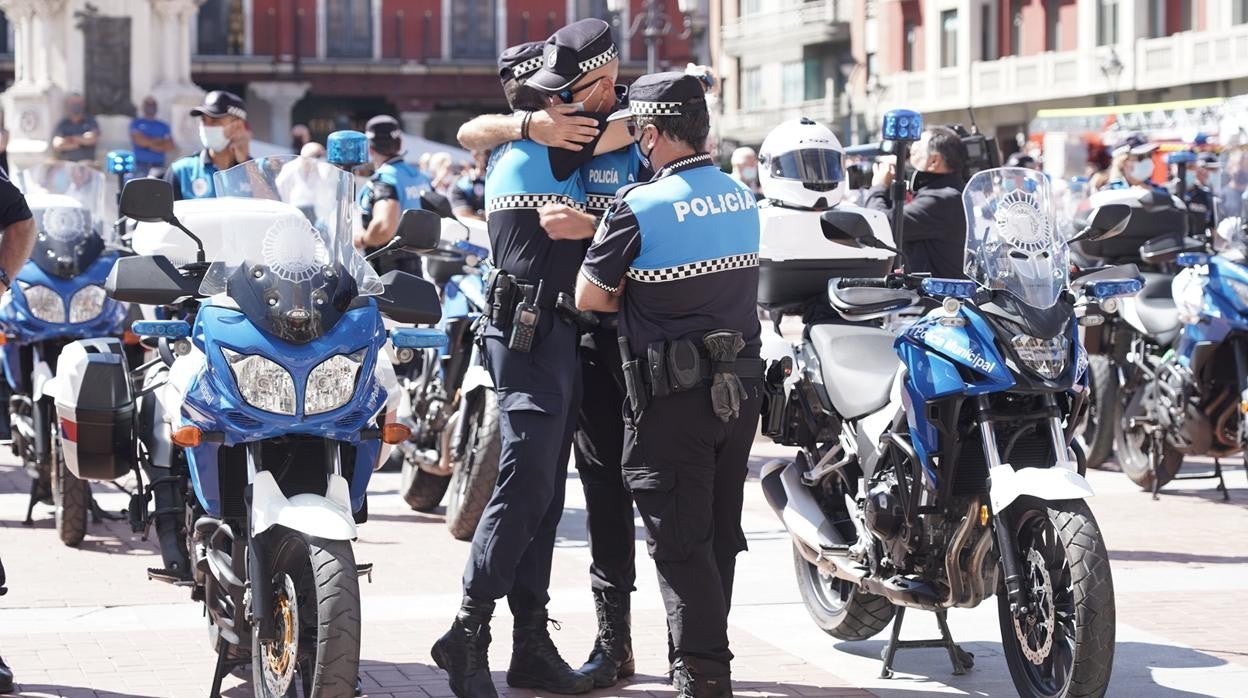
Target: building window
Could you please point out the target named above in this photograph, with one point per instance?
(349, 28)
(1016, 27)
(598, 9)
(1106, 22)
(909, 34)
(985, 40)
(1053, 25)
(473, 28)
(948, 38)
(6, 38)
(1156, 18)
(816, 81)
(1241, 11)
(792, 83)
(752, 88)
(221, 28)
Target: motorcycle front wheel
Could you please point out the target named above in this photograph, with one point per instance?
(316, 609)
(473, 478)
(1063, 647)
(423, 491)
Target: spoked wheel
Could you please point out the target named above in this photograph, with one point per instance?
(1097, 435)
(837, 606)
(71, 497)
(473, 478)
(1063, 645)
(1137, 446)
(316, 613)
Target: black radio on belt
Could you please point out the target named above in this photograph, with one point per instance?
(524, 322)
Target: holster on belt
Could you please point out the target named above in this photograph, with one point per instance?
(727, 390)
(634, 383)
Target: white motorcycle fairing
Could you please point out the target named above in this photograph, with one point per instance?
(1047, 484)
(327, 517)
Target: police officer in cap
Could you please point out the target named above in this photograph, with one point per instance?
(530, 345)
(226, 140)
(1196, 192)
(678, 257)
(396, 185)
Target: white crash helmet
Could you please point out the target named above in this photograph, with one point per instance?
(801, 165)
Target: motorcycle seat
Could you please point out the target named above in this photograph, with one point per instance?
(858, 365)
(1154, 305)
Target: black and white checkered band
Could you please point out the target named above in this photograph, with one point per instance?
(236, 111)
(595, 281)
(599, 202)
(533, 201)
(598, 61)
(699, 159)
(637, 107)
(524, 69)
(686, 271)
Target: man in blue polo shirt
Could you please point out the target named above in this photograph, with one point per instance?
(151, 138)
(223, 133)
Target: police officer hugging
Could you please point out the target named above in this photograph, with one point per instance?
(679, 256)
(531, 352)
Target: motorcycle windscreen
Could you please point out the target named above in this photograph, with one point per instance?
(287, 253)
(67, 240)
(1013, 242)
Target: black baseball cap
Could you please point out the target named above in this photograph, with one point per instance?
(572, 52)
(383, 130)
(219, 103)
(1135, 144)
(521, 61)
(663, 94)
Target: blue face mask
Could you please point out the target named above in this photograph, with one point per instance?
(1190, 179)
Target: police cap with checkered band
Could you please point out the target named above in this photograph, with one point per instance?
(572, 53)
(521, 61)
(663, 94)
(219, 103)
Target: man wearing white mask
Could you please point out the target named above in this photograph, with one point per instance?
(226, 140)
(745, 169)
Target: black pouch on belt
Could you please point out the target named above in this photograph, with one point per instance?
(686, 368)
(503, 300)
(656, 362)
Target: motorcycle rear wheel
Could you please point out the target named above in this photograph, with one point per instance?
(837, 606)
(1097, 434)
(71, 498)
(317, 610)
(1064, 648)
(473, 478)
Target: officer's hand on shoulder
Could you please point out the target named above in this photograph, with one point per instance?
(563, 222)
(560, 127)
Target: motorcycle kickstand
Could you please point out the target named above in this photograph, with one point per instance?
(1217, 470)
(961, 660)
(1154, 463)
(220, 670)
(34, 499)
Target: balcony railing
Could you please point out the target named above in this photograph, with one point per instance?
(1180, 59)
(798, 24)
(751, 125)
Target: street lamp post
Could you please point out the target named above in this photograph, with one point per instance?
(653, 23)
(1111, 68)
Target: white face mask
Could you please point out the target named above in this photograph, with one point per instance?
(749, 173)
(213, 137)
(1141, 170)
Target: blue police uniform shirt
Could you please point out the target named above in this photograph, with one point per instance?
(688, 243)
(151, 128)
(468, 192)
(191, 177)
(608, 173)
(397, 180)
(522, 177)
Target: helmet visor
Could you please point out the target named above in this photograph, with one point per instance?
(819, 169)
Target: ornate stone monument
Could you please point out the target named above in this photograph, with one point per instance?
(114, 52)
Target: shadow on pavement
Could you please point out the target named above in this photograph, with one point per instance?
(1167, 556)
(36, 690)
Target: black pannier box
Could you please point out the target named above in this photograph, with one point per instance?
(1153, 214)
(95, 409)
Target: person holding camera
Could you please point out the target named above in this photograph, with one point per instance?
(934, 237)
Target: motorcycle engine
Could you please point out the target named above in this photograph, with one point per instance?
(886, 520)
(1178, 411)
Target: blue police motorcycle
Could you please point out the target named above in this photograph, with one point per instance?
(57, 297)
(281, 395)
(935, 467)
(1189, 396)
(453, 409)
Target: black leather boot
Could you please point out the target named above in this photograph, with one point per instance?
(535, 661)
(463, 651)
(6, 677)
(612, 656)
(699, 678)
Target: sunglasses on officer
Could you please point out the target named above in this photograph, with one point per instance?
(566, 95)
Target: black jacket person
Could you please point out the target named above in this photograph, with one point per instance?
(934, 232)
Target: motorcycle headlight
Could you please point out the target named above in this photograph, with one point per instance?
(263, 384)
(44, 303)
(1240, 288)
(331, 384)
(87, 304)
(1047, 357)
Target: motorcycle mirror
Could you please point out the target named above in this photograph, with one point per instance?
(419, 230)
(1107, 221)
(848, 228)
(148, 200)
(433, 201)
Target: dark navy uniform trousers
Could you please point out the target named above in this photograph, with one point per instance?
(538, 392)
